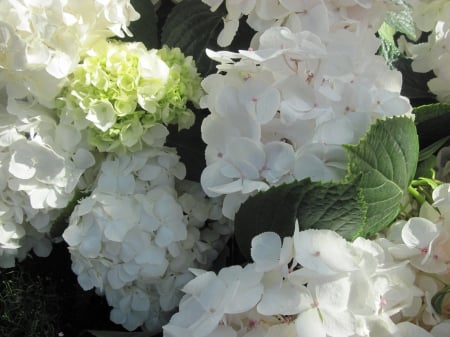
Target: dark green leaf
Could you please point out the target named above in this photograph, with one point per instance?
(425, 167)
(145, 29)
(335, 206)
(380, 169)
(387, 159)
(192, 27)
(432, 122)
(432, 149)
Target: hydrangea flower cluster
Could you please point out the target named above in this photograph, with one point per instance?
(282, 109)
(41, 41)
(41, 163)
(134, 238)
(316, 283)
(427, 13)
(320, 16)
(121, 90)
(43, 158)
(433, 19)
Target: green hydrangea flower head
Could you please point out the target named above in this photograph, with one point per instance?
(121, 91)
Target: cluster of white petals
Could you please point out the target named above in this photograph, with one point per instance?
(41, 41)
(283, 109)
(319, 16)
(135, 237)
(426, 13)
(41, 163)
(424, 242)
(42, 158)
(317, 284)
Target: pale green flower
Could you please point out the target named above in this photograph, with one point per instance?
(121, 91)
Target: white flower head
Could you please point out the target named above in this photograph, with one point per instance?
(282, 109)
(135, 237)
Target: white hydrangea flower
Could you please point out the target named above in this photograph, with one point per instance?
(88, 22)
(283, 110)
(138, 233)
(365, 297)
(41, 163)
(234, 290)
(42, 41)
(320, 17)
(426, 13)
(423, 243)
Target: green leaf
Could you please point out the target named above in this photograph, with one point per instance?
(380, 169)
(145, 29)
(192, 27)
(387, 159)
(402, 21)
(432, 122)
(335, 206)
(388, 49)
(432, 149)
(426, 167)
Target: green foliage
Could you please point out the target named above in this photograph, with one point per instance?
(402, 21)
(432, 122)
(336, 206)
(428, 158)
(387, 159)
(192, 27)
(380, 169)
(145, 29)
(388, 48)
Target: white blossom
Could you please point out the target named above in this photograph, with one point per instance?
(282, 110)
(43, 41)
(138, 233)
(362, 296)
(320, 17)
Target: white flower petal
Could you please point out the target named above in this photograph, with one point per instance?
(323, 251)
(266, 250)
(408, 329)
(280, 300)
(308, 323)
(419, 232)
